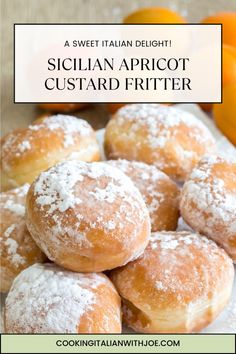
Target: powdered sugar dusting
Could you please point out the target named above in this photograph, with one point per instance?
(14, 207)
(56, 187)
(22, 191)
(23, 142)
(179, 272)
(97, 197)
(172, 139)
(207, 204)
(160, 193)
(187, 265)
(12, 203)
(17, 247)
(172, 240)
(160, 286)
(11, 246)
(154, 117)
(9, 230)
(149, 172)
(25, 145)
(69, 125)
(47, 299)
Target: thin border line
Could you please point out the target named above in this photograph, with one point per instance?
(115, 24)
(117, 334)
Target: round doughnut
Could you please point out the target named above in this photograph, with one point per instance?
(87, 217)
(180, 284)
(27, 152)
(159, 192)
(169, 138)
(208, 201)
(62, 107)
(113, 107)
(17, 248)
(45, 298)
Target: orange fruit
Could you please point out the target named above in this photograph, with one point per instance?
(62, 107)
(229, 64)
(225, 113)
(228, 20)
(154, 15)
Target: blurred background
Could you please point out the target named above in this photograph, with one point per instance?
(115, 11)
